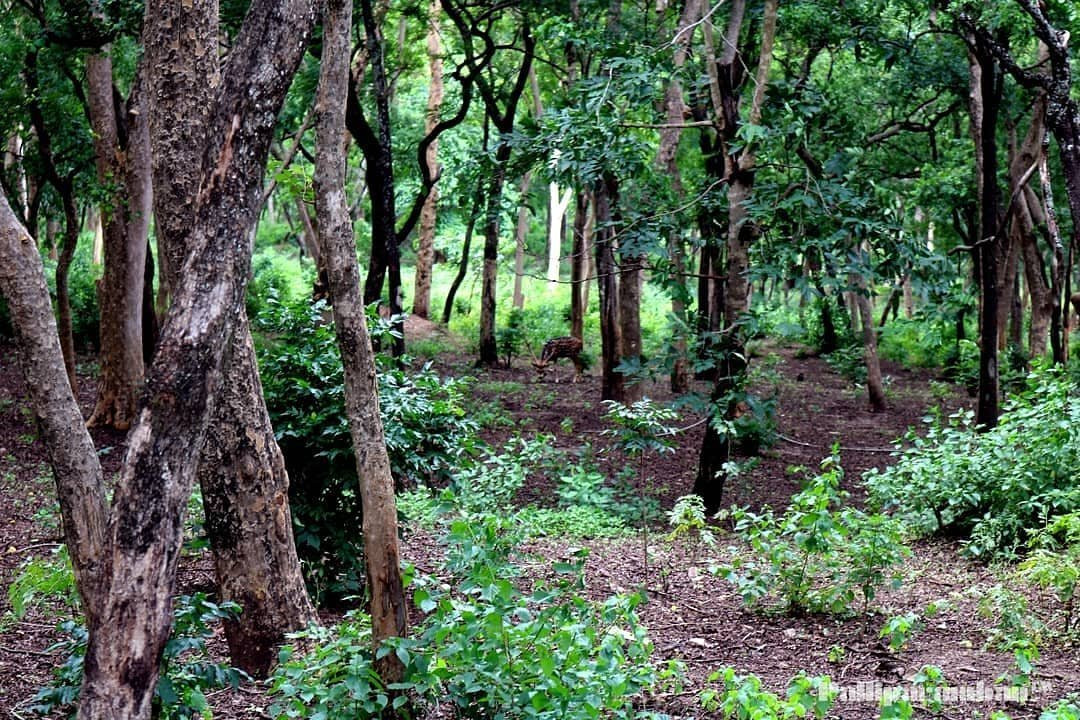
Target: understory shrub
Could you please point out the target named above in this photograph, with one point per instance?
(818, 557)
(994, 488)
(485, 645)
(187, 670)
(427, 430)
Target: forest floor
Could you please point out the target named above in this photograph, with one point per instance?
(691, 615)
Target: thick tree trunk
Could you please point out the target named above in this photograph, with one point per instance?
(607, 199)
(246, 499)
(388, 607)
(242, 475)
(425, 246)
(125, 221)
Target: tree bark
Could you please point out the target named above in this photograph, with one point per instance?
(607, 199)
(463, 264)
(425, 250)
(874, 386)
(80, 487)
(388, 607)
(489, 351)
(579, 263)
(125, 219)
(521, 234)
(558, 202)
(241, 472)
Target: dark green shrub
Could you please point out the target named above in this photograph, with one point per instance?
(993, 488)
(426, 427)
(82, 290)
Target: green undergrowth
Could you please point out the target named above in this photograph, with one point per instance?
(489, 644)
(994, 489)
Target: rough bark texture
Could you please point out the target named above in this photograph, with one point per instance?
(630, 279)
(425, 244)
(241, 473)
(246, 499)
(124, 215)
(874, 387)
(123, 655)
(72, 456)
(382, 561)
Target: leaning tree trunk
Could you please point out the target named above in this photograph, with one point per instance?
(124, 215)
(243, 479)
(425, 246)
(80, 487)
(381, 555)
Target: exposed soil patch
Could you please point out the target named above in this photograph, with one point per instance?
(692, 615)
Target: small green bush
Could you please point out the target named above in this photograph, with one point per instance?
(817, 557)
(741, 697)
(994, 488)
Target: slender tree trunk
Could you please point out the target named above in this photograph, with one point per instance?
(874, 386)
(489, 354)
(558, 202)
(63, 294)
(521, 233)
(607, 198)
(382, 562)
(125, 221)
(579, 264)
(425, 251)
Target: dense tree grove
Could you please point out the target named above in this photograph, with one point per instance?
(661, 175)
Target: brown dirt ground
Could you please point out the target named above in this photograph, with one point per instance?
(692, 616)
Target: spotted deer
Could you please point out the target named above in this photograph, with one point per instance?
(560, 347)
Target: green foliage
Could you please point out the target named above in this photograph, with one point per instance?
(83, 277)
(1068, 708)
(898, 629)
(817, 557)
(1055, 562)
(427, 429)
(187, 670)
(42, 581)
(486, 646)
(741, 697)
(848, 362)
(687, 520)
(998, 487)
(511, 336)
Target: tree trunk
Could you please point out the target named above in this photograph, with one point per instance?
(125, 218)
(607, 198)
(674, 111)
(579, 263)
(425, 246)
(630, 279)
(80, 487)
(558, 202)
(63, 294)
(489, 352)
(463, 265)
(521, 233)
(123, 655)
(875, 388)
(241, 472)
(388, 607)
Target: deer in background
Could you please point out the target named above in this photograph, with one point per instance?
(560, 347)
